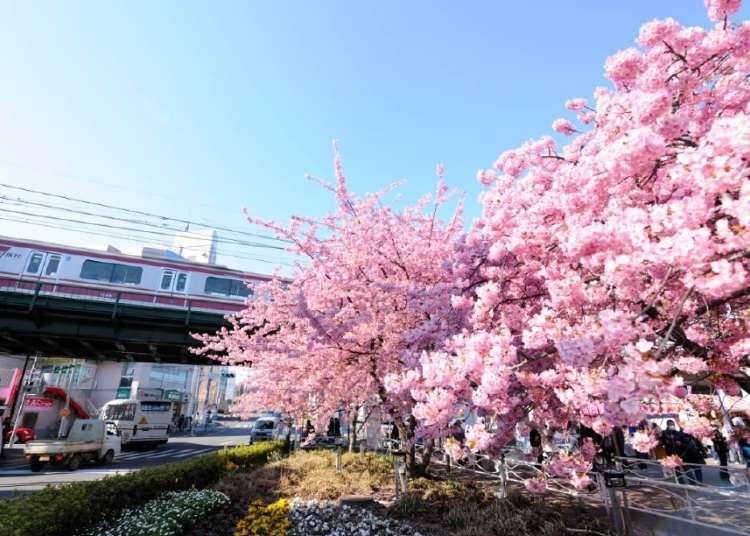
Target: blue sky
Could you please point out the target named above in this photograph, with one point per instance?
(196, 110)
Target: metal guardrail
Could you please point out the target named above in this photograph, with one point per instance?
(653, 489)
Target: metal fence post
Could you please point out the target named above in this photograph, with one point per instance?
(396, 476)
(503, 472)
(617, 518)
(338, 459)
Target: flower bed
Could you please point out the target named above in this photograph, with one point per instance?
(168, 515)
(76, 508)
(318, 518)
(265, 520)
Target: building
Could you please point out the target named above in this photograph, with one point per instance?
(86, 385)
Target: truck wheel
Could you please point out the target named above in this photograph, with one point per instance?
(108, 457)
(74, 462)
(35, 465)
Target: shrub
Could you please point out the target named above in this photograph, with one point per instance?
(167, 515)
(250, 456)
(74, 508)
(265, 520)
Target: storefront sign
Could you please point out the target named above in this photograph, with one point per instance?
(150, 394)
(39, 403)
(173, 394)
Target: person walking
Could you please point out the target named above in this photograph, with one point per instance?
(722, 451)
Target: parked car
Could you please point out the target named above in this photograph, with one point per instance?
(89, 440)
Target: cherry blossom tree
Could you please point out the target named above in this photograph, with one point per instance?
(374, 294)
(609, 275)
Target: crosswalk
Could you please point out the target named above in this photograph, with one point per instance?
(163, 455)
(126, 462)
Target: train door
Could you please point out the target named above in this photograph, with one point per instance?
(41, 264)
(173, 281)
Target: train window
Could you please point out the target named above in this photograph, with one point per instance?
(99, 271)
(166, 279)
(110, 272)
(53, 264)
(181, 282)
(35, 262)
(123, 273)
(226, 287)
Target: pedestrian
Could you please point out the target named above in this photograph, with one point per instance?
(309, 428)
(673, 442)
(658, 451)
(722, 451)
(535, 440)
(694, 456)
(643, 428)
(181, 422)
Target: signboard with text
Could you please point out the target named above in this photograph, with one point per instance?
(173, 394)
(39, 403)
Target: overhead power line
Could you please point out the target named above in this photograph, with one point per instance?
(229, 240)
(132, 239)
(140, 212)
(144, 231)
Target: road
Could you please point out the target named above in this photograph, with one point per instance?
(15, 475)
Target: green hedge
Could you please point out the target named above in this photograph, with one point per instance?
(73, 508)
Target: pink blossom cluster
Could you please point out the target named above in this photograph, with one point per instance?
(614, 272)
(644, 441)
(672, 461)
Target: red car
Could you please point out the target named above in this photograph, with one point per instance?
(22, 434)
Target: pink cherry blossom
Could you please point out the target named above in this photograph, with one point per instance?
(563, 126)
(576, 104)
(718, 9)
(643, 442)
(453, 448)
(700, 427)
(535, 485)
(580, 481)
(672, 461)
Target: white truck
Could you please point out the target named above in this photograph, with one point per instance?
(89, 440)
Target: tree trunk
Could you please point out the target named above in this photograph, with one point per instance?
(353, 430)
(416, 467)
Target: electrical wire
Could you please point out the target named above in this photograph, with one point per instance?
(134, 239)
(140, 212)
(145, 231)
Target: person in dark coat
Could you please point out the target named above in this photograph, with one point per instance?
(309, 428)
(694, 456)
(673, 442)
(722, 451)
(535, 439)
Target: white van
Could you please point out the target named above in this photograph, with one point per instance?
(141, 422)
(265, 429)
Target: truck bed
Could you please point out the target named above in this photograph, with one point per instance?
(60, 446)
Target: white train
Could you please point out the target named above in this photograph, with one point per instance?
(160, 281)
